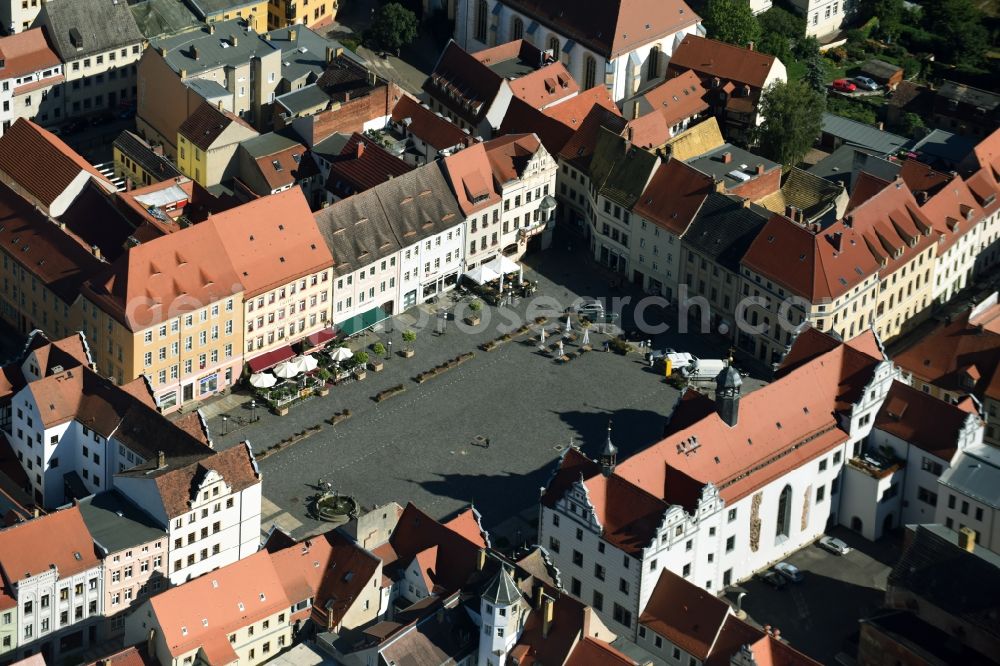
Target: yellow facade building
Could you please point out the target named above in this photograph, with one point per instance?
(313, 13)
(254, 12)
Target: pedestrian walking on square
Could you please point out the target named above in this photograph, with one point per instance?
(487, 442)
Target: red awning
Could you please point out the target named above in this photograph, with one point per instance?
(270, 359)
(320, 338)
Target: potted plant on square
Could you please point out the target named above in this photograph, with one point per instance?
(378, 354)
(360, 359)
(409, 337)
(475, 307)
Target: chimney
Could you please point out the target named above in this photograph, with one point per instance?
(232, 40)
(35, 512)
(727, 157)
(837, 240)
(629, 132)
(161, 460)
(881, 125)
(922, 197)
(751, 46)
(194, 52)
(329, 55)
(776, 633)
(96, 251)
(481, 560)
(184, 73)
(151, 644)
(635, 110)
(967, 539)
(339, 52)
(211, 28)
(547, 611)
(372, 79)
(292, 34)
(539, 594)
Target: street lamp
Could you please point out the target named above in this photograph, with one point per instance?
(388, 350)
(253, 410)
(225, 423)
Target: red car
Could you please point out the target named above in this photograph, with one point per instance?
(843, 85)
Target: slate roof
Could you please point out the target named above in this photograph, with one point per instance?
(619, 170)
(742, 160)
(862, 135)
(82, 27)
(303, 99)
(845, 164)
(357, 232)
(502, 591)
(207, 123)
(305, 56)
(943, 148)
(140, 152)
(724, 228)
(880, 69)
(976, 473)
(207, 8)
(362, 165)
(609, 28)
(159, 18)
(463, 83)
(215, 49)
(115, 523)
(968, 95)
(962, 584)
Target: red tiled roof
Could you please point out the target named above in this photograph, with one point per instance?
(678, 98)
(24, 146)
(580, 147)
(59, 539)
(927, 422)
(865, 187)
(556, 124)
(281, 169)
(26, 53)
(942, 356)
(463, 83)
(685, 614)
(166, 276)
(362, 165)
(629, 515)
(591, 651)
(545, 86)
(212, 606)
(509, 155)
(37, 85)
(467, 524)
(780, 427)
(432, 129)
(711, 58)
(921, 178)
(471, 178)
(953, 211)
(272, 241)
(134, 655)
(987, 152)
(674, 196)
(613, 27)
(455, 558)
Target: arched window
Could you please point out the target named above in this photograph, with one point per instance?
(784, 518)
(516, 28)
(482, 13)
(554, 47)
(589, 72)
(654, 63)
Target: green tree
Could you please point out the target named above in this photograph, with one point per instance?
(393, 27)
(889, 14)
(913, 126)
(958, 24)
(815, 76)
(731, 21)
(779, 21)
(793, 116)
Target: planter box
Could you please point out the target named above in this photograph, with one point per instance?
(375, 366)
(323, 391)
(407, 353)
(473, 320)
(361, 374)
(282, 411)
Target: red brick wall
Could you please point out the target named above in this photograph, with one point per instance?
(353, 114)
(759, 186)
(878, 649)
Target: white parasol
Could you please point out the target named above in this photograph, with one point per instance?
(262, 380)
(286, 370)
(341, 354)
(305, 363)
(586, 337)
(569, 325)
(543, 335)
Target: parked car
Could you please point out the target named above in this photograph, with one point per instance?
(789, 571)
(593, 307)
(843, 85)
(865, 83)
(834, 545)
(772, 578)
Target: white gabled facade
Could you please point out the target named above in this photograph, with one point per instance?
(481, 24)
(713, 544)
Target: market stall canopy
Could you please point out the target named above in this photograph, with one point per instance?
(503, 265)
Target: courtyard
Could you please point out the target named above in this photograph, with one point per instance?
(429, 444)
